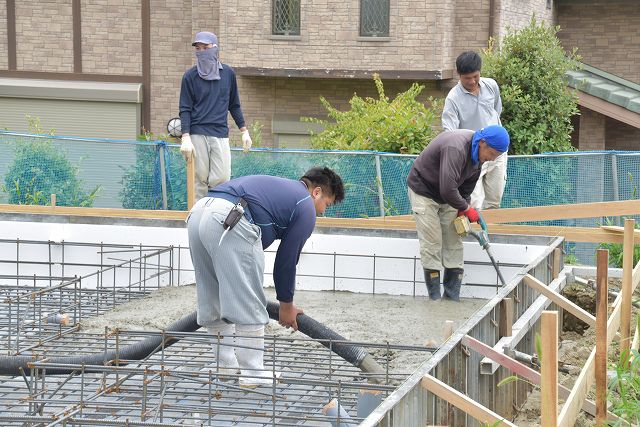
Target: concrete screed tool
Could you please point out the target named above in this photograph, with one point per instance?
(463, 227)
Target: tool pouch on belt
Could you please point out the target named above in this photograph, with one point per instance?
(235, 214)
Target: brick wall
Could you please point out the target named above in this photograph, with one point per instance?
(516, 14)
(44, 36)
(111, 37)
(621, 136)
(261, 98)
(330, 37)
(606, 35)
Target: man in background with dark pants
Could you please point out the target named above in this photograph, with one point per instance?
(440, 184)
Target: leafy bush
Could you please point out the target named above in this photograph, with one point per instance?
(403, 125)
(537, 106)
(39, 170)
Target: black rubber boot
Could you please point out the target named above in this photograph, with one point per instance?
(452, 283)
(432, 279)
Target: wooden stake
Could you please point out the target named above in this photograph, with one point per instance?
(191, 182)
(602, 294)
(549, 368)
(506, 318)
(627, 275)
(557, 263)
(447, 330)
(53, 199)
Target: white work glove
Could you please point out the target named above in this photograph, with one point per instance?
(246, 141)
(186, 148)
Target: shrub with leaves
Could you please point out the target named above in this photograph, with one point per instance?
(537, 105)
(39, 169)
(401, 125)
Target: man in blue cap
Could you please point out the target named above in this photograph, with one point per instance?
(440, 183)
(208, 93)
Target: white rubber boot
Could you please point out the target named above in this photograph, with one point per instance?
(250, 352)
(223, 350)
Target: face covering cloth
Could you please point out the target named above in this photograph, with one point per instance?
(208, 64)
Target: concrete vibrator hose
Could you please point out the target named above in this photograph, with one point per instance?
(15, 365)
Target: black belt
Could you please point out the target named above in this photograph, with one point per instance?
(233, 199)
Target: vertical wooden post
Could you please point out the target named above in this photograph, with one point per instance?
(627, 275)
(191, 182)
(53, 199)
(505, 325)
(602, 291)
(447, 330)
(549, 368)
(557, 263)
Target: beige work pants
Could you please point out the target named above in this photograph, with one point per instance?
(212, 163)
(440, 245)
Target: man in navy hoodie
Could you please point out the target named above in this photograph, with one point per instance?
(209, 91)
(229, 268)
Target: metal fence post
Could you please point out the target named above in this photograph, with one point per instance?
(614, 183)
(163, 174)
(379, 185)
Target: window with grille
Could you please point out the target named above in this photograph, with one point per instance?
(286, 17)
(374, 18)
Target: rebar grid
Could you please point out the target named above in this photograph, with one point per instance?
(37, 308)
(179, 385)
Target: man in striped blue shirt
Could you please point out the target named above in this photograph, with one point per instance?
(229, 272)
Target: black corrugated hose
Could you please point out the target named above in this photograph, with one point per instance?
(356, 355)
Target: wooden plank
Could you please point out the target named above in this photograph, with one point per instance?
(552, 212)
(505, 325)
(94, 212)
(464, 403)
(602, 295)
(549, 368)
(191, 183)
(570, 211)
(560, 300)
(627, 276)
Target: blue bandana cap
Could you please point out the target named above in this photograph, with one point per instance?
(495, 136)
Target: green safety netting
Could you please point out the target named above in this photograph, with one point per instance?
(152, 175)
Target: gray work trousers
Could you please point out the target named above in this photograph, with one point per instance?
(440, 245)
(212, 163)
(229, 276)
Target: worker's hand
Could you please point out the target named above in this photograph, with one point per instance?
(287, 315)
(246, 141)
(186, 148)
(470, 213)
